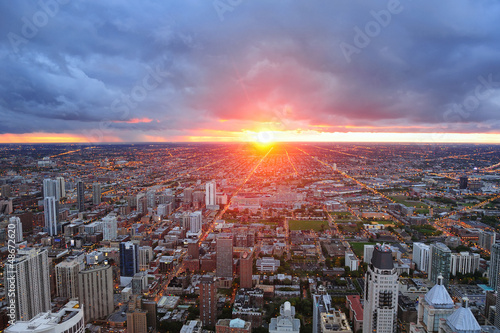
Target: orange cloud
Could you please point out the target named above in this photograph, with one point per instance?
(49, 138)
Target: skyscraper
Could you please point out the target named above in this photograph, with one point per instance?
(109, 227)
(381, 293)
(246, 265)
(464, 182)
(96, 193)
(61, 185)
(129, 259)
(80, 193)
(224, 252)
(494, 270)
(95, 292)
(208, 300)
(18, 227)
(67, 278)
(210, 189)
(486, 239)
(145, 256)
(29, 276)
(195, 221)
(440, 263)
(421, 256)
(50, 212)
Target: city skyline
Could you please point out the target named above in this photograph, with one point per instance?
(221, 71)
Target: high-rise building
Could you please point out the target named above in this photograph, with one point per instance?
(18, 227)
(381, 293)
(67, 278)
(246, 266)
(50, 212)
(368, 253)
(434, 306)
(145, 256)
(286, 321)
(224, 252)
(109, 227)
(210, 190)
(29, 277)
(463, 182)
(95, 292)
(68, 319)
(80, 196)
(61, 185)
(464, 263)
(421, 256)
(136, 319)
(129, 259)
(194, 250)
(96, 193)
(440, 263)
(195, 221)
(486, 239)
(5, 191)
(494, 270)
(208, 300)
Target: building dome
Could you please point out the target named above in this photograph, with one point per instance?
(438, 296)
(462, 320)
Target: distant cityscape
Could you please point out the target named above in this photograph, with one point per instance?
(250, 238)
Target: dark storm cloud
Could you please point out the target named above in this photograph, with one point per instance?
(75, 66)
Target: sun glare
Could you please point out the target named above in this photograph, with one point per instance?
(265, 137)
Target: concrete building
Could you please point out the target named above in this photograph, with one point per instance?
(351, 261)
(381, 293)
(50, 212)
(421, 256)
(494, 269)
(353, 303)
(15, 221)
(486, 239)
(267, 264)
(368, 253)
(109, 227)
(145, 257)
(137, 321)
(210, 191)
(68, 319)
(246, 266)
(29, 277)
(233, 326)
(95, 292)
(67, 278)
(195, 222)
(440, 262)
(208, 300)
(80, 196)
(96, 193)
(460, 321)
(224, 252)
(326, 319)
(286, 321)
(464, 263)
(192, 326)
(437, 304)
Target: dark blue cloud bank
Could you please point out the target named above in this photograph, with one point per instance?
(74, 66)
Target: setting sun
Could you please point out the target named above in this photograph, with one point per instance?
(265, 137)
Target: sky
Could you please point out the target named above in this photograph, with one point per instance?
(243, 70)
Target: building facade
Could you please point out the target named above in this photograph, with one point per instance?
(440, 263)
(208, 300)
(224, 252)
(381, 293)
(95, 292)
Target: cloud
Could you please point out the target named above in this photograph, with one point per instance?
(104, 66)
